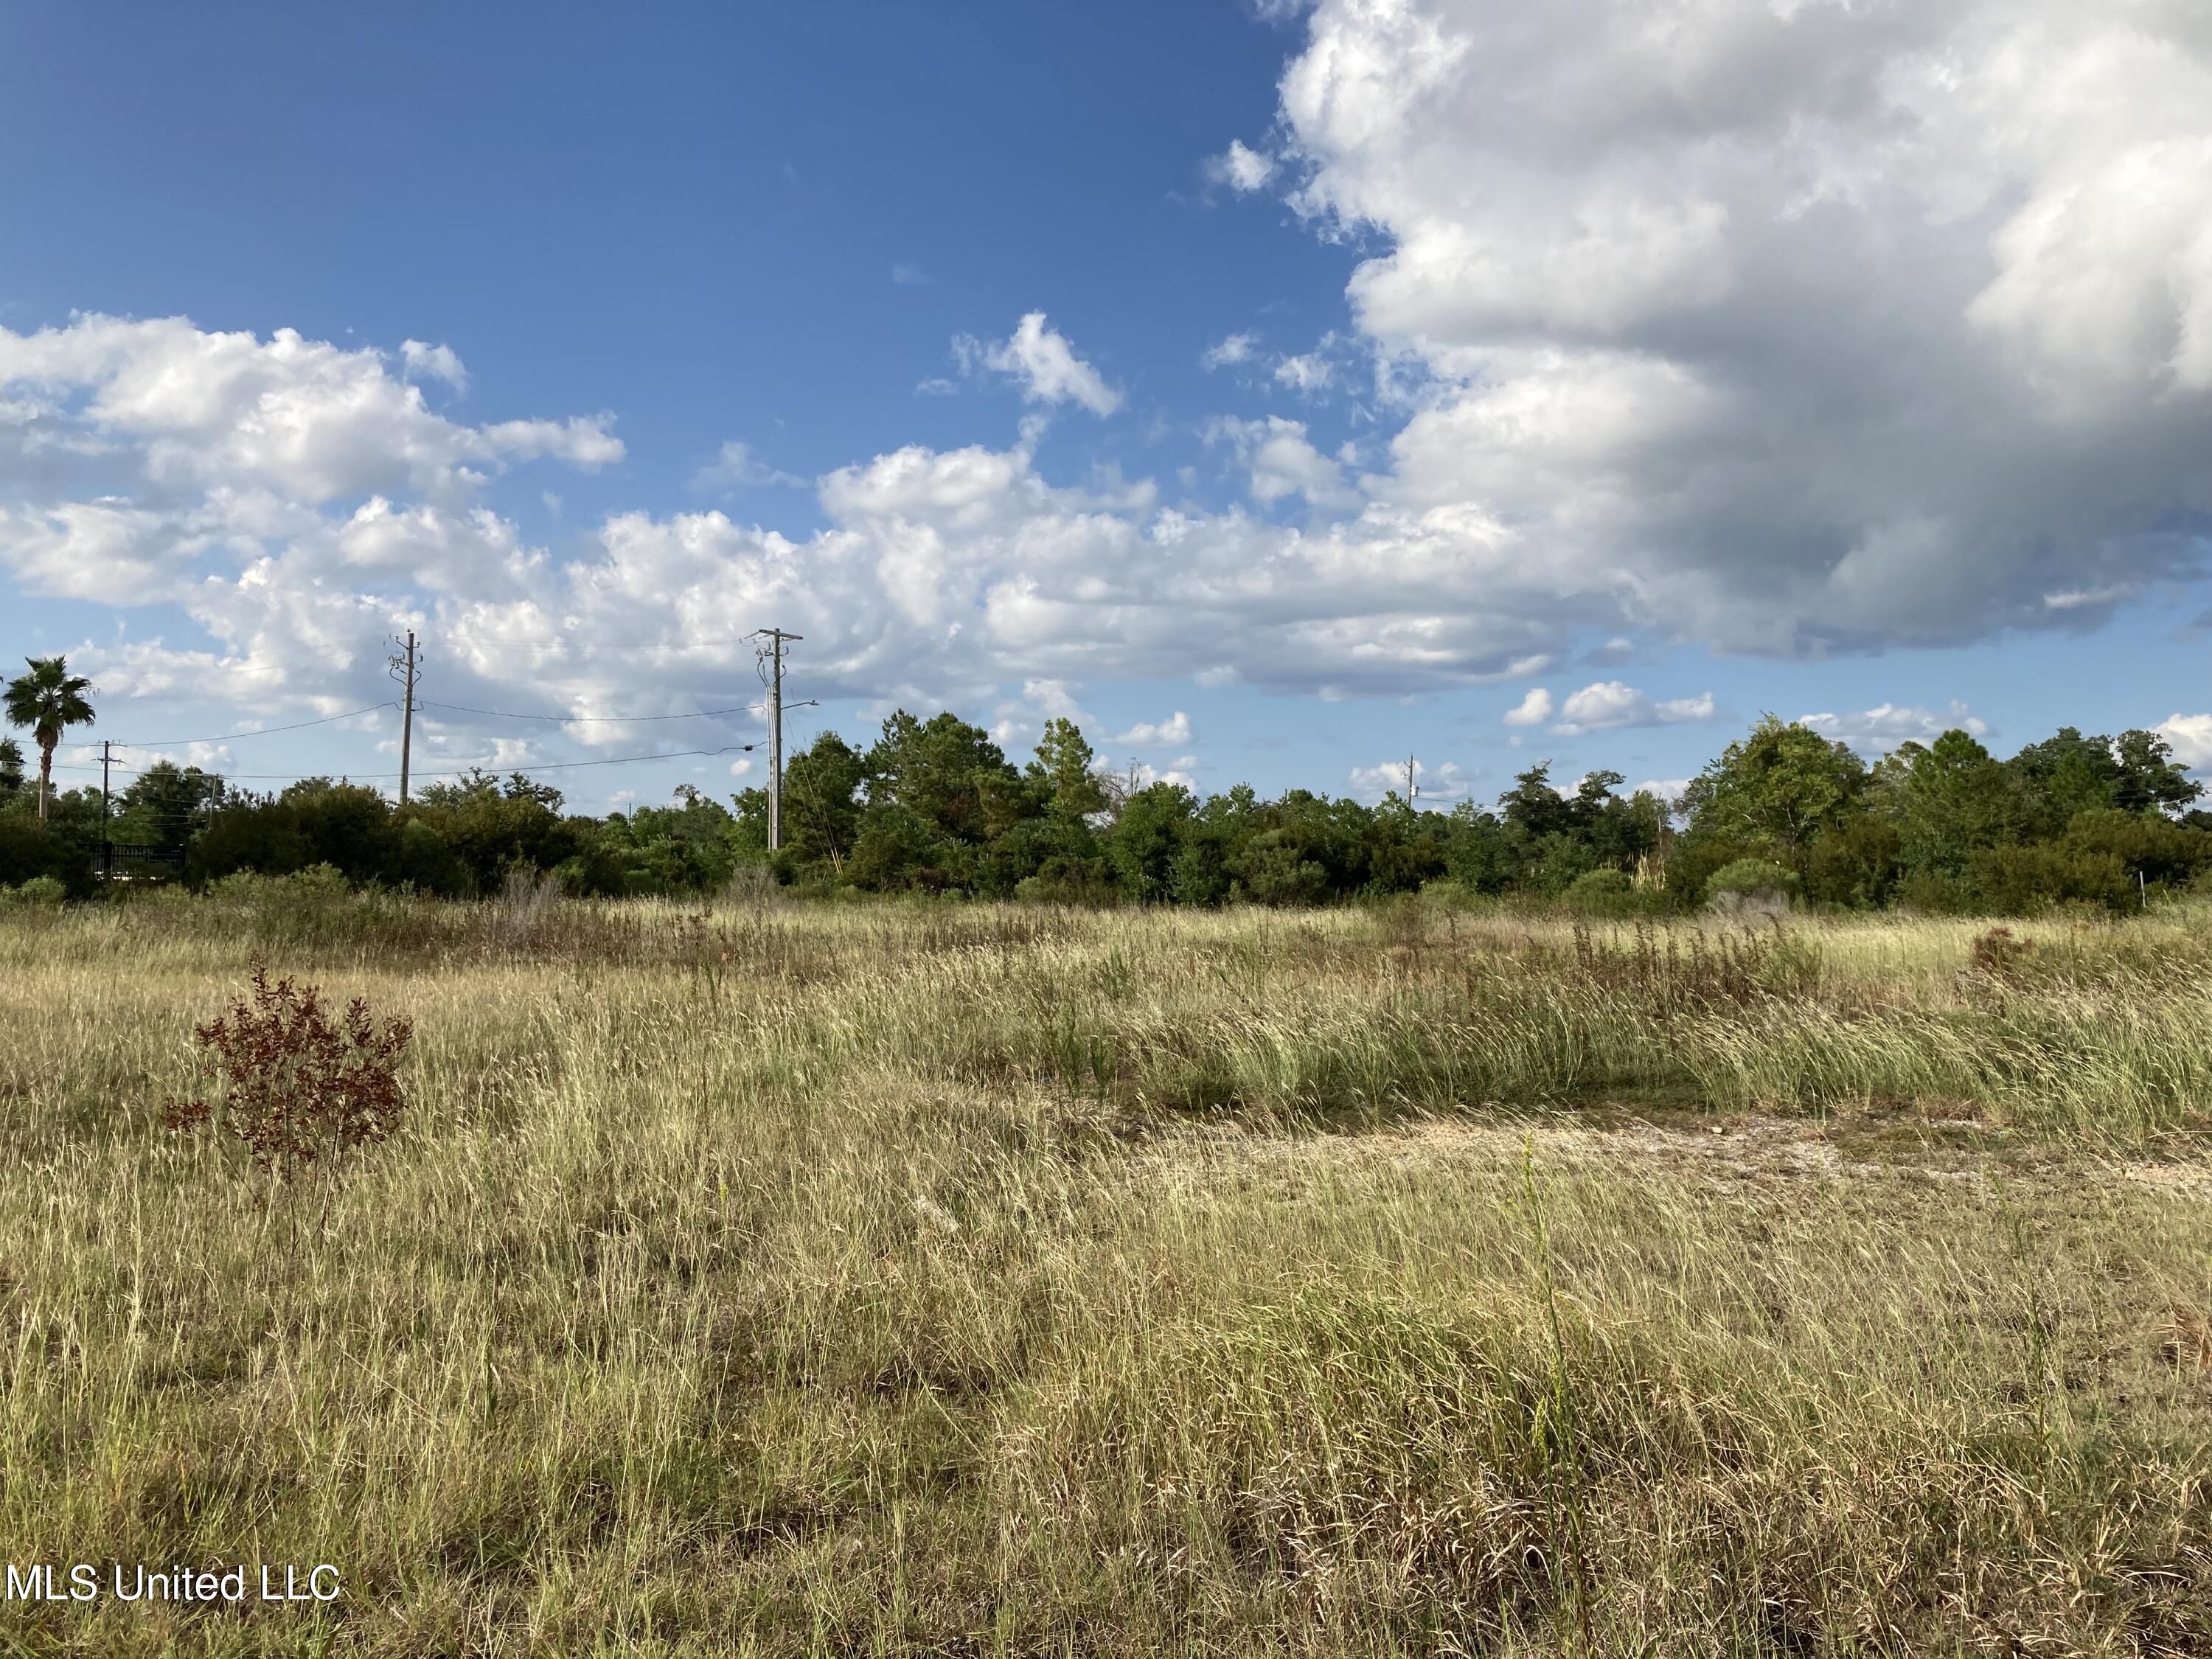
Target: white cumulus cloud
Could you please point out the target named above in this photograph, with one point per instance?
(2191, 737)
(1812, 326)
(1448, 781)
(1532, 710)
(1172, 733)
(1229, 351)
(1310, 374)
(440, 363)
(1040, 360)
(1280, 461)
(1610, 705)
(1241, 167)
(1878, 730)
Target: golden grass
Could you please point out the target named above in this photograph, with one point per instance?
(976, 1281)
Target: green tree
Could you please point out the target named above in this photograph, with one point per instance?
(167, 805)
(489, 831)
(1147, 834)
(1531, 808)
(1783, 784)
(2150, 780)
(2069, 774)
(11, 766)
(1950, 799)
(937, 791)
(1063, 773)
(938, 770)
(821, 802)
(49, 700)
(1476, 852)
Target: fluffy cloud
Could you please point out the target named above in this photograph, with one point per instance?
(1448, 781)
(1172, 733)
(1043, 364)
(1609, 705)
(1241, 167)
(146, 467)
(1229, 352)
(1282, 461)
(1878, 730)
(1532, 710)
(302, 422)
(1310, 374)
(297, 498)
(1797, 327)
(440, 363)
(1057, 699)
(2191, 737)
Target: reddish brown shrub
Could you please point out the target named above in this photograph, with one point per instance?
(293, 1085)
(1997, 954)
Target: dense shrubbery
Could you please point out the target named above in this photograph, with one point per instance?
(934, 807)
(1755, 877)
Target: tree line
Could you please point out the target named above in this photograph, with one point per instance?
(935, 806)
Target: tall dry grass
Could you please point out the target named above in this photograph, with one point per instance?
(869, 1280)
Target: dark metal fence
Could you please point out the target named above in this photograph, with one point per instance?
(115, 860)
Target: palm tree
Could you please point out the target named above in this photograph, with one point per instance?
(49, 700)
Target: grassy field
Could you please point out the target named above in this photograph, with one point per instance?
(881, 1280)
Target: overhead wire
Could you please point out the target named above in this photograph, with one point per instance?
(461, 770)
(460, 708)
(584, 719)
(259, 732)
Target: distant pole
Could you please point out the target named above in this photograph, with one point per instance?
(775, 751)
(1411, 789)
(403, 669)
(106, 848)
(772, 654)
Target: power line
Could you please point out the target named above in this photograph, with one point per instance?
(585, 720)
(260, 731)
(424, 703)
(585, 648)
(462, 770)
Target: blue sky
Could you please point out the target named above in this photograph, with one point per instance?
(1523, 382)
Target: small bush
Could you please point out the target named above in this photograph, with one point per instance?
(2025, 881)
(1999, 953)
(319, 884)
(1754, 883)
(1602, 893)
(293, 1086)
(43, 892)
(1855, 867)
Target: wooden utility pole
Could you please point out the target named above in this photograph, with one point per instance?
(106, 848)
(1411, 789)
(771, 656)
(403, 669)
